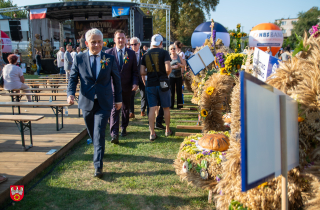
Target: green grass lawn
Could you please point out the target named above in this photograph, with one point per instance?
(138, 174)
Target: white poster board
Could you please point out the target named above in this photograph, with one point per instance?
(261, 131)
(263, 64)
(200, 60)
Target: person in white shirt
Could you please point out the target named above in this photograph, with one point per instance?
(78, 50)
(60, 60)
(269, 51)
(13, 77)
(16, 52)
(178, 49)
(73, 54)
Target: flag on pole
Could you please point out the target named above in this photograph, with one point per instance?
(38, 13)
(120, 11)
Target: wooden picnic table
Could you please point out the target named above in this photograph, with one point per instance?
(16, 97)
(38, 90)
(23, 123)
(57, 107)
(45, 79)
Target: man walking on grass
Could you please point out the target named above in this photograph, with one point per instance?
(160, 69)
(97, 71)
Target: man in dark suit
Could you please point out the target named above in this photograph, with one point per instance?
(96, 70)
(135, 46)
(127, 66)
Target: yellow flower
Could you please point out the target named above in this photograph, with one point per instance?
(263, 185)
(199, 84)
(235, 50)
(204, 113)
(223, 71)
(209, 90)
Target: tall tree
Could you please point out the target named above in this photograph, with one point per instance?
(305, 22)
(185, 16)
(9, 3)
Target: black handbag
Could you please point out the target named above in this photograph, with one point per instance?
(164, 81)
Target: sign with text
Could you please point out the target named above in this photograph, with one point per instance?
(263, 64)
(200, 60)
(107, 27)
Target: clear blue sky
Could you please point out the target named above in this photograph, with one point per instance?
(247, 12)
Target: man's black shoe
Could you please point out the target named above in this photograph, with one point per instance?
(160, 126)
(98, 173)
(115, 139)
(124, 132)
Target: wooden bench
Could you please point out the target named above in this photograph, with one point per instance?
(23, 123)
(17, 97)
(56, 107)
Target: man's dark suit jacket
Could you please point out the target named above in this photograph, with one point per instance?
(90, 86)
(128, 72)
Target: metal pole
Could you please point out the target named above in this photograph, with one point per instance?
(166, 29)
(61, 34)
(169, 22)
(284, 163)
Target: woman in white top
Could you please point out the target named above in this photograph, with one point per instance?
(178, 49)
(13, 76)
(180, 53)
(16, 52)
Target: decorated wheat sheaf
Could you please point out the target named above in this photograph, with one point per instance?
(299, 78)
(190, 155)
(215, 98)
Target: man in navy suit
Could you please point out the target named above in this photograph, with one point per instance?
(96, 70)
(127, 66)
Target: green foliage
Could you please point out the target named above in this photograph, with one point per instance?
(203, 165)
(305, 22)
(300, 46)
(9, 3)
(236, 205)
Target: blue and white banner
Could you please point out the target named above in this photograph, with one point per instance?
(263, 64)
(120, 11)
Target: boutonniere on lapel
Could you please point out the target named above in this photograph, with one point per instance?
(104, 62)
(126, 58)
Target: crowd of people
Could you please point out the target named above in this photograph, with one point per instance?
(110, 78)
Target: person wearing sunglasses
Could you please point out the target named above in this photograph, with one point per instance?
(135, 46)
(177, 66)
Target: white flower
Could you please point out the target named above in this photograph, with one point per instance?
(204, 173)
(185, 167)
(223, 158)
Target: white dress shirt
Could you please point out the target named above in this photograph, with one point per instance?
(118, 53)
(98, 59)
(98, 68)
(138, 56)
